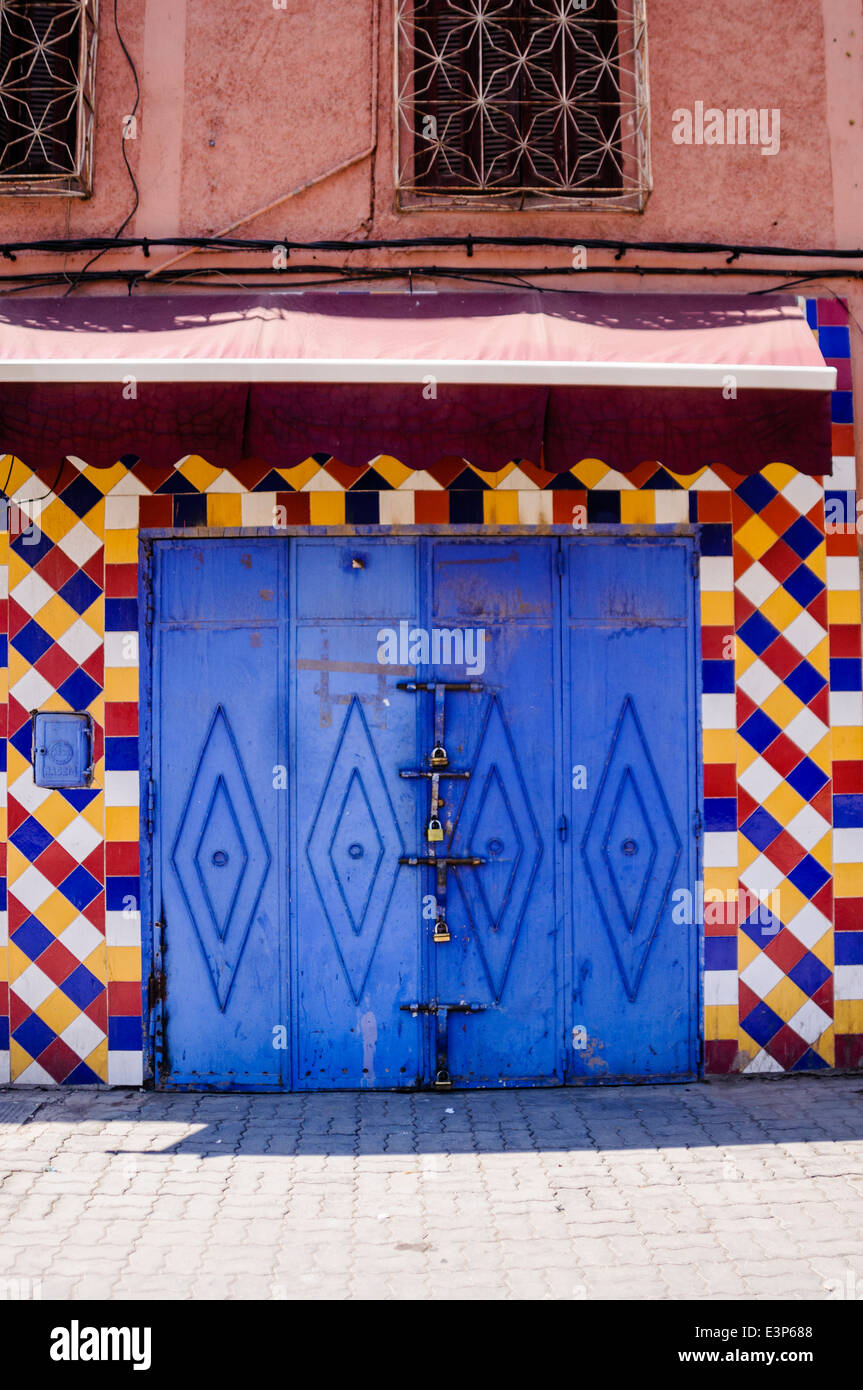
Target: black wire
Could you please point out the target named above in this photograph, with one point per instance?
(124, 224)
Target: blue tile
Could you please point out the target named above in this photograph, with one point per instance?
(834, 341)
(812, 312)
(33, 1035)
(32, 938)
(759, 731)
(79, 690)
(4, 651)
(80, 592)
(83, 1076)
(466, 508)
(715, 537)
(79, 797)
(80, 887)
(4, 1035)
(119, 889)
(82, 987)
(762, 1023)
(31, 838)
(757, 633)
(848, 947)
(760, 828)
(693, 506)
(806, 778)
(846, 673)
(121, 754)
(81, 496)
(22, 740)
(32, 642)
(121, 615)
(803, 585)
(756, 492)
(190, 511)
(802, 537)
(761, 926)
(847, 812)
(840, 508)
(809, 973)
(842, 408)
(717, 677)
(32, 548)
(804, 681)
(720, 813)
(720, 953)
(362, 508)
(808, 876)
(125, 1034)
(810, 1061)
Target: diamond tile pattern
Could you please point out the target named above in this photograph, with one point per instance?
(782, 715)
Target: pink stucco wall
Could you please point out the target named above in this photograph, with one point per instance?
(242, 102)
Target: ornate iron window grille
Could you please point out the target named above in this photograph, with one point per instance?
(47, 81)
(513, 103)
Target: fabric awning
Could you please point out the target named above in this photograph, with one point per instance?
(551, 377)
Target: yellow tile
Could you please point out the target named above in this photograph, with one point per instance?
(638, 508)
(124, 963)
(4, 545)
(720, 881)
(823, 950)
(57, 520)
(825, 1045)
(18, 666)
(784, 803)
(720, 1021)
(817, 562)
(121, 547)
(15, 475)
(224, 509)
(719, 745)
(823, 851)
(390, 469)
(56, 617)
(98, 1060)
(58, 1011)
(96, 962)
(780, 609)
(848, 1015)
(717, 610)
(748, 1046)
(843, 606)
(300, 475)
(500, 508)
(122, 823)
(819, 656)
(106, 479)
(94, 812)
(746, 755)
(822, 754)
(785, 999)
(848, 880)
(782, 705)
(791, 900)
(743, 658)
(94, 616)
(746, 853)
(327, 508)
(494, 479)
(19, 1060)
(198, 472)
(746, 951)
(121, 683)
(755, 537)
(18, 569)
(17, 764)
(778, 474)
(16, 864)
(56, 913)
(18, 962)
(55, 814)
(589, 472)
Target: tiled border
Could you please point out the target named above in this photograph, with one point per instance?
(782, 713)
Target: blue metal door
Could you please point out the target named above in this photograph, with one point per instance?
(630, 699)
(218, 868)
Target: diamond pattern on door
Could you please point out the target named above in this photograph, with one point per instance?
(631, 848)
(497, 824)
(353, 848)
(220, 855)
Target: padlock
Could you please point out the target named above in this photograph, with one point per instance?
(439, 756)
(434, 830)
(441, 930)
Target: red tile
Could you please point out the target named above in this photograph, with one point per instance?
(431, 508)
(156, 511)
(849, 1051)
(55, 568)
(743, 609)
(124, 999)
(55, 665)
(823, 996)
(121, 581)
(121, 718)
(844, 640)
(297, 507)
(780, 560)
(57, 962)
(18, 1010)
(823, 900)
(848, 778)
(56, 864)
(58, 1060)
(818, 608)
(95, 567)
(842, 442)
(781, 657)
(714, 507)
(779, 515)
(786, 1047)
(822, 802)
(746, 804)
(849, 914)
(97, 1011)
(563, 506)
(783, 755)
(121, 857)
(785, 950)
(842, 542)
(745, 707)
(820, 706)
(720, 779)
(94, 863)
(747, 999)
(715, 643)
(95, 912)
(785, 852)
(720, 1056)
(94, 666)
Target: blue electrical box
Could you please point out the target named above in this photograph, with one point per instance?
(62, 750)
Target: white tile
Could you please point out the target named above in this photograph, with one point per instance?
(757, 584)
(844, 475)
(716, 573)
(762, 1063)
(420, 481)
(708, 482)
(322, 482)
(758, 681)
(759, 780)
(125, 1068)
(718, 712)
(31, 889)
(121, 789)
(33, 986)
(612, 481)
(397, 508)
(720, 849)
(5, 1069)
(79, 838)
(225, 482)
(82, 1035)
(34, 1075)
(804, 633)
(4, 929)
(32, 593)
(130, 486)
(79, 641)
(807, 827)
(672, 508)
(122, 929)
(761, 975)
(846, 709)
(121, 650)
(848, 982)
(25, 791)
(32, 690)
(79, 544)
(4, 581)
(762, 877)
(720, 987)
(806, 729)
(809, 925)
(121, 513)
(803, 492)
(843, 572)
(810, 1021)
(81, 938)
(848, 847)
(534, 508)
(516, 481)
(259, 509)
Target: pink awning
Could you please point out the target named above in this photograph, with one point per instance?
(545, 376)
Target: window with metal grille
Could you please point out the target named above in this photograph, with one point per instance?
(47, 70)
(517, 101)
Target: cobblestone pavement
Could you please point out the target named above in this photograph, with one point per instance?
(732, 1189)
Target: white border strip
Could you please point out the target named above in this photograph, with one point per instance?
(411, 372)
